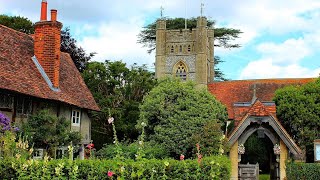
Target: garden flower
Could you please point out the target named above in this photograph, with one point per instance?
(140, 142)
(143, 124)
(110, 173)
(110, 120)
(90, 146)
(166, 163)
(181, 157)
(16, 129)
(18, 156)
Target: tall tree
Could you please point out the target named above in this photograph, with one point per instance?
(120, 89)
(298, 109)
(223, 37)
(78, 54)
(68, 43)
(18, 23)
(174, 111)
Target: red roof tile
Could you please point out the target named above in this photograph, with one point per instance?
(18, 72)
(230, 92)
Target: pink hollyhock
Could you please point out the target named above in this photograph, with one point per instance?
(90, 146)
(110, 173)
(181, 157)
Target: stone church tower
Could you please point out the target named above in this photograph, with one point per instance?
(185, 53)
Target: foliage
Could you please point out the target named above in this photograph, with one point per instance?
(78, 54)
(298, 109)
(174, 111)
(48, 131)
(216, 167)
(18, 23)
(306, 171)
(121, 89)
(151, 150)
(12, 145)
(258, 150)
(211, 139)
(218, 74)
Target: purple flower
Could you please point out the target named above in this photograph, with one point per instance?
(16, 129)
(4, 122)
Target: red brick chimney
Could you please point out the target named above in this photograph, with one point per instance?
(47, 39)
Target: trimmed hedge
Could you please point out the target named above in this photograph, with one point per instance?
(305, 171)
(216, 167)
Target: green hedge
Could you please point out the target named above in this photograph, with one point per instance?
(305, 171)
(216, 167)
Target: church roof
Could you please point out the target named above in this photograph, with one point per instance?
(231, 92)
(19, 73)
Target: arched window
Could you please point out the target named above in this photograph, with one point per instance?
(172, 49)
(189, 48)
(180, 49)
(180, 71)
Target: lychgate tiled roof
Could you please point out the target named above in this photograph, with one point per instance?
(230, 92)
(19, 73)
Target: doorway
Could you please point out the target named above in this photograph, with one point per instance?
(259, 150)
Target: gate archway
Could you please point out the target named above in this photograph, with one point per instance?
(265, 124)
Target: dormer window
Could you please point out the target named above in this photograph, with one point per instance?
(75, 117)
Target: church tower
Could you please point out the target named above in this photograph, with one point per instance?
(185, 53)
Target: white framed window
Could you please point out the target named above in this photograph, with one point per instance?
(62, 152)
(75, 117)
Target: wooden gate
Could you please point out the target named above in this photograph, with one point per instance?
(248, 171)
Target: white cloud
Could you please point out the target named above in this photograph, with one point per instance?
(282, 60)
(118, 41)
(288, 52)
(265, 68)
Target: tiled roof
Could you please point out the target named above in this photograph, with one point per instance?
(230, 92)
(19, 73)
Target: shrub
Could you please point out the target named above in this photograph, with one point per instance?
(174, 111)
(215, 167)
(151, 150)
(306, 171)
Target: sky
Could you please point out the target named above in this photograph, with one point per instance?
(280, 39)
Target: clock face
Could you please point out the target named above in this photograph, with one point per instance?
(317, 153)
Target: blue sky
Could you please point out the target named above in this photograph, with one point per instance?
(280, 39)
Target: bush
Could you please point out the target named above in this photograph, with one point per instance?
(306, 171)
(174, 111)
(215, 167)
(151, 151)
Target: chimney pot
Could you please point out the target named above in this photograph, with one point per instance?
(53, 15)
(44, 6)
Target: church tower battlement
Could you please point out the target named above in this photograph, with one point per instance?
(184, 53)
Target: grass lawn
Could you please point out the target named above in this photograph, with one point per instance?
(264, 176)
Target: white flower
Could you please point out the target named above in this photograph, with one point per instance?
(140, 142)
(122, 169)
(110, 120)
(143, 124)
